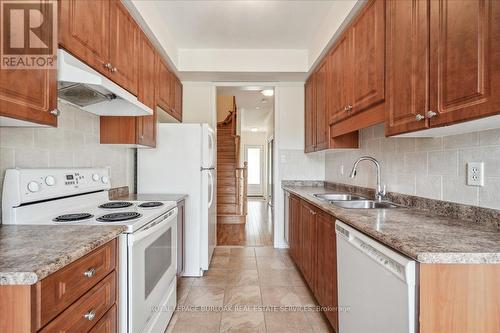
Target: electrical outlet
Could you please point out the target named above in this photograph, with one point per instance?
(342, 170)
(475, 173)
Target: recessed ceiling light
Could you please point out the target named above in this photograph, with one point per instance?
(267, 92)
(254, 129)
(264, 101)
(257, 108)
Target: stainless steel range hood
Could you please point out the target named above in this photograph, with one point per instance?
(82, 86)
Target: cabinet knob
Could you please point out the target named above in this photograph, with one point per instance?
(419, 117)
(55, 112)
(89, 315)
(113, 69)
(431, 114)
(108, 65)
(90, 273)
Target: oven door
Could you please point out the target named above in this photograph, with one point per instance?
(152, 256)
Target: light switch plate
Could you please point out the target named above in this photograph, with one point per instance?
(475, 173)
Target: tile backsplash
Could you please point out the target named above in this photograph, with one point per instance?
(74, 143)
(428, 167)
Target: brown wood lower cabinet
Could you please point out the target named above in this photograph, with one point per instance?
(453, 298)
(80, 297)
(313, 249)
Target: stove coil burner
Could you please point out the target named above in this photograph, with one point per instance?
(117, 217)
(72, 217)
(115, 204)
(151, 204)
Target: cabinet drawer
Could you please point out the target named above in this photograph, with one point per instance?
(84, 313)
(107, 324)
(62, 288)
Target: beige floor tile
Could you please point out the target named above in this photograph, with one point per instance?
(219, 262)
(242, 263)
(271, 263)
(243, 277)
(243, 322)
(287, 296)
(213, 277)
(280, 277)
(287, 322)
(173, 321)
(182, 292)
(267, 252)
(242, 295)
(318, 322)
(197, 322)
(185, 281)
(242, 252)
(205, 296)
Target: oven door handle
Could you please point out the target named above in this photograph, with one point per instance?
(153, 227)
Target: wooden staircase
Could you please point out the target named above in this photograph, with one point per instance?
(231, 178)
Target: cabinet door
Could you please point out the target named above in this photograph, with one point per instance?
(340, 92)
(146, 125)
(308, 243)
(407, 68)
(163, 85)
(123, 46)
(368, 55)
(84, 31)
(464, 60)
(178, 99)
(309, 116)
(326, 268)
(322, 129)
(29, 94)
(294, 228)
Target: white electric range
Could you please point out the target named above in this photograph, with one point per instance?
(147, 248)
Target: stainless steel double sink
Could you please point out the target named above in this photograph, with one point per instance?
(352, 201)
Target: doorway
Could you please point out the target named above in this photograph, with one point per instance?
(244, 140)
(255, 164)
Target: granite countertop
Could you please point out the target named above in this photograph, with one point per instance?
(150, 197)
(29, 253)
(421, 235)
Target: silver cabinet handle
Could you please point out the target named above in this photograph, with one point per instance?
(108, 65)
(419, 117)
(89, 315)
(113, 69)
(90, 273)
(346, 108)
(55, 112)
(431, 114)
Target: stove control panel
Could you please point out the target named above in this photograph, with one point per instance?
(28, 185)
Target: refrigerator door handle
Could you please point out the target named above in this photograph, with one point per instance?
(212, 147)
(211, 180)
(206, 169)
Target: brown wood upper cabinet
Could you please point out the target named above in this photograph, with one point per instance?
(136, 130)
(104, 36)
(451, 52)
(322, 130)
(309, 116)
(29, 94)
(169, 91)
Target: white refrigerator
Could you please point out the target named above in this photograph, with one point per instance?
(184, 162)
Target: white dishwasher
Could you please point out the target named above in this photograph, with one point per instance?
(376, 285)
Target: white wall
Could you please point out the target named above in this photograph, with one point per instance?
(199, 103)
(427, 167)
(291, 163)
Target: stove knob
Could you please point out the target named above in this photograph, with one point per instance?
(104, 179)
(95, 177)
(33, 186)
(50, 180)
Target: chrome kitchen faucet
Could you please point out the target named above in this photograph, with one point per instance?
(379, 196)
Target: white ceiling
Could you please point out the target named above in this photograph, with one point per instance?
(210, 39)
(244, 24)
(249, 100)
